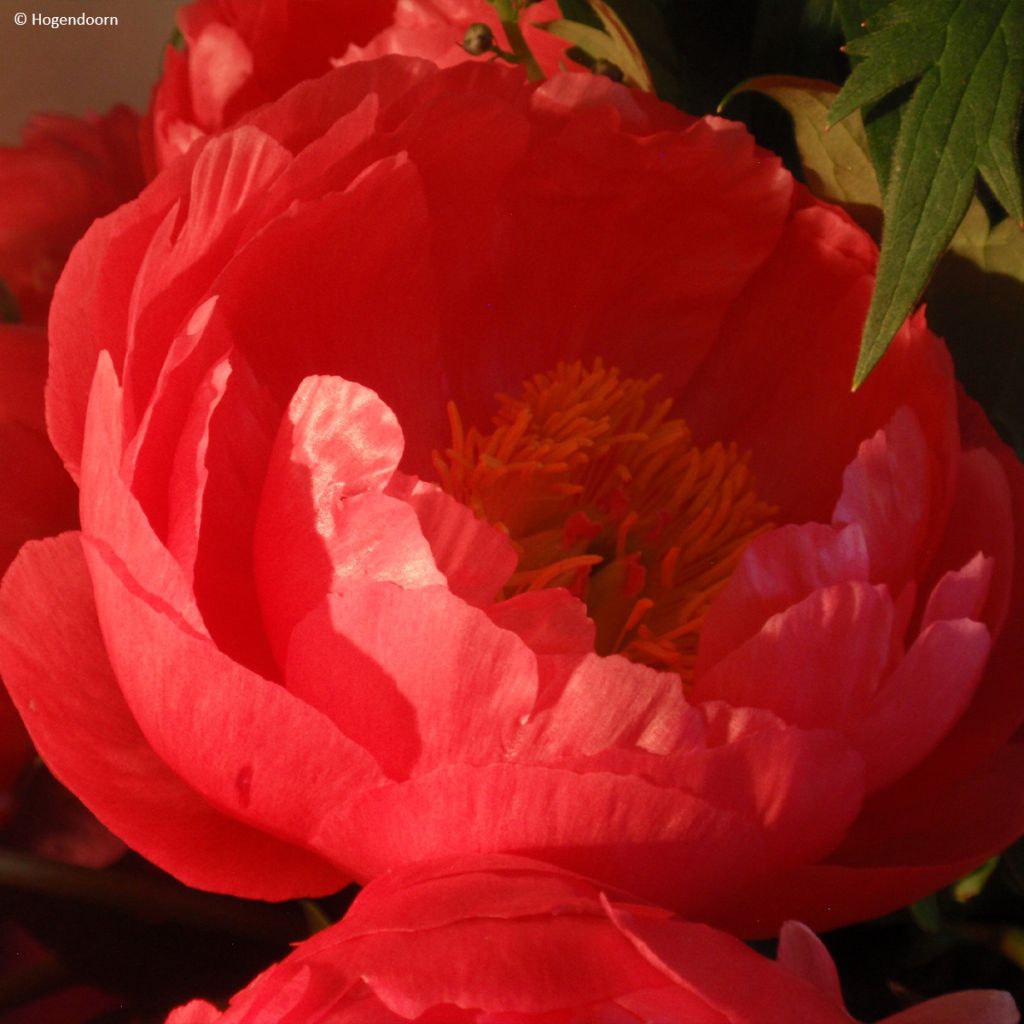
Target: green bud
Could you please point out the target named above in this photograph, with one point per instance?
(479, 39)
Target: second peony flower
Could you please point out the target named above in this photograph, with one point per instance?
(453, 483)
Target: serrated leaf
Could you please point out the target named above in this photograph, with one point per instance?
(910, 41)
(612, 43)
(836, 162)
(961, 120)
(881, 120)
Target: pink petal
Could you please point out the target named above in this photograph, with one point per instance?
(817, 664)
(803, 788)
(219, 64)
(57, 671)
(476, 558)
(90, 308)
(756, 393)
(982, 519)
(907, 842)
(223, 182)
(239, 440)
(778, 570)
(803, 953)
(596, 282)
(555, 626)
(888, 491)
(111, 516)
(659, 843)
(922, 699)
(725, 973)
(337, 441)
(608, 703)
(247, 745)
(360, 659)
(325, 313)
(961, 593)
(195, 1012)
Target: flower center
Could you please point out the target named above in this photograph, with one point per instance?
(603, 493)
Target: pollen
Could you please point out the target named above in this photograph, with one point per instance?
(602, 491)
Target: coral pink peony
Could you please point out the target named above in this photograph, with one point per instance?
(291, 650)
(67, 172)
(240, 54)
(512, 941)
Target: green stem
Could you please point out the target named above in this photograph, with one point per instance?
(509, 16)
(152, 899)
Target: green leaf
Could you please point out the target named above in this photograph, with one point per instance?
(836, 162)
(960, 121)
(612, 43)
(315, 916)
(971, 885)
(881, 120)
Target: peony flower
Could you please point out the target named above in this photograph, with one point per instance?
(509, 940)
(240, 54)
(677, 612)
(67, 172)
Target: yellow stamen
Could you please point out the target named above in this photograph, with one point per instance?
(605, 494)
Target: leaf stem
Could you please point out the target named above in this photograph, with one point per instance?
(508, 13)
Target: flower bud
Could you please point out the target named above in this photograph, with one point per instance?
(479, 39)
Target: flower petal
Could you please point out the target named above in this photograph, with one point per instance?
(803, 953)
(922, 699)
(337, 441)
(754, 387)
(779, 569)
(92, 742)
(360, 659)
(817, 664)
(246, 745)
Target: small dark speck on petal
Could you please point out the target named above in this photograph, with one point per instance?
(243, 783)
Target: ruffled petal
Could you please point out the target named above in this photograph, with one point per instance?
(111, 514)
(928, 692)
(360, 659)
(778, 570)
(887, 490)
(817, 664)
(321, 517)
(476, 558)
(92, 742)
(755, 387)
(726, 975)
(246, 745)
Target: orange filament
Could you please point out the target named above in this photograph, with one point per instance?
(601, 492)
